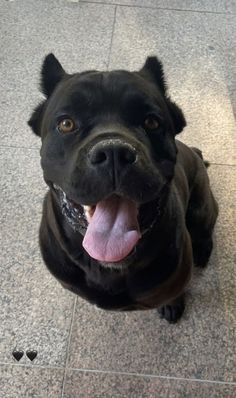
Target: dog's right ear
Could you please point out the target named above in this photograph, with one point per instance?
(51, 74)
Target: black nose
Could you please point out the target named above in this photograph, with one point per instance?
(112, 153)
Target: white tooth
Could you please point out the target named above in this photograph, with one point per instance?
(64, 196)
(57, 187)
(87, 208)
(87, 212)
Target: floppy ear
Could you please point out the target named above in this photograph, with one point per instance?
(51, 74)
(35, 121)
(153, 69)
(177, 116)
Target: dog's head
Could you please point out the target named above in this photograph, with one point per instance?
(108, 150)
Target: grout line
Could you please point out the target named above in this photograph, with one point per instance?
(112, 35)
(68, 347)
(151, 376)
(159, 8)
(19, 147)
(221, 164)
(144, 375)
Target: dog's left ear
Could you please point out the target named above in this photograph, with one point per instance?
(153, 70)
(177, 115)
(35, 121)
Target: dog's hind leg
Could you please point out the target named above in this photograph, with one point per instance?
(201, 216)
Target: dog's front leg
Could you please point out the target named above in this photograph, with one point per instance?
(173, 310)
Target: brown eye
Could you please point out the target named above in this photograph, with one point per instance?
(151, 123)
(66, 125)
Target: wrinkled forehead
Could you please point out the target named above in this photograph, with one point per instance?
(100, 90)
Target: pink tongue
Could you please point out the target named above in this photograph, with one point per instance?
(113, 230)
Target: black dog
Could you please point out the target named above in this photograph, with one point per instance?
(129, 209)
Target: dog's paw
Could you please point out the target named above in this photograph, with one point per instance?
(172, 312)
(202, 252)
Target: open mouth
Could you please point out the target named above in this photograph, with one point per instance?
(111, 226)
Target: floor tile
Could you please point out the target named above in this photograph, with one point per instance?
(199, 5)
(197, 48)
(99, 385)
(29, 382)
(35, 310)
(78, 34)
(201, 346)
(198, 54)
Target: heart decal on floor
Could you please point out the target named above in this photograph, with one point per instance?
(17, 354)
(31, 354)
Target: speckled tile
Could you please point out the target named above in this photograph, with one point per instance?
(226, 6)
(99, 385)
(35, 310)
(201, 346)
(198, 54)
(78, 34)
(29, 382)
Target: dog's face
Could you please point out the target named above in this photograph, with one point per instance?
(108, 151)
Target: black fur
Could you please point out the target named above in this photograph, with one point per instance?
(153, 69)
(167, 180)
(52, 73)
(35, 121)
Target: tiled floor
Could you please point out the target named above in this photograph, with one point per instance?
(85, 352)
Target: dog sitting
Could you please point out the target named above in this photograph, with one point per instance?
(129, 209)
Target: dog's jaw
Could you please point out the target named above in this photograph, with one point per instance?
(79, 217)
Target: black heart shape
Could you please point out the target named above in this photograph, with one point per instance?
(17, 354)
(31, 354)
